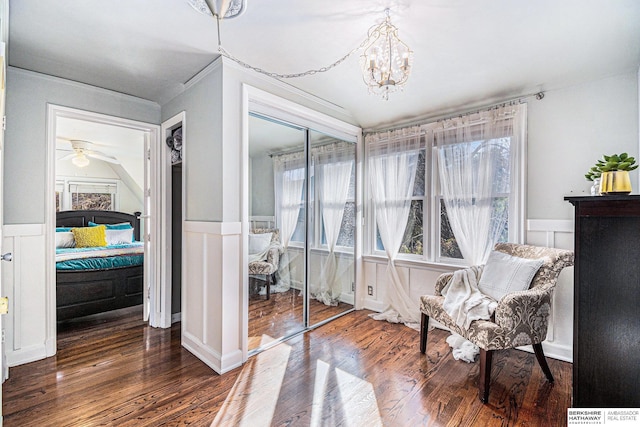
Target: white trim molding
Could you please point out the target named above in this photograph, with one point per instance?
(212, 290)
(23, 277)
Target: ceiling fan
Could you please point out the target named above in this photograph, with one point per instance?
(82, 152)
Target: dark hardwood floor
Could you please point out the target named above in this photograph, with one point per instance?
(353, 371)
(281, 315)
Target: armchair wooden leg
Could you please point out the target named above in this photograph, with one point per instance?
(424, 328)
(485, 374)
(268, 286)
(537, 348)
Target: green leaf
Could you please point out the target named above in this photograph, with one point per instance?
(624, 166)
(623, 156)
(611, 165)
(633, 167)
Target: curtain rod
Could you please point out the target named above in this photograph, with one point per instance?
(430, 119)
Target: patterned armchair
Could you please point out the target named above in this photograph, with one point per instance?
(521, 318)
(269, 266)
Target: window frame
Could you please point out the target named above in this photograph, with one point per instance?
(66, 202)
(433, 195)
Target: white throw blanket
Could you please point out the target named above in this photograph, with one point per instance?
(462, 349)
(463, 301)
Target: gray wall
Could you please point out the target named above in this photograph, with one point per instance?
(262, 191)
(28, 94)
(569, 130)
(202, 155)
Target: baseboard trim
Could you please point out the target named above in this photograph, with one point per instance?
(176, 317)
(26, 355)
(210, 358)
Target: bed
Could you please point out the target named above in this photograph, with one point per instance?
(95, 287)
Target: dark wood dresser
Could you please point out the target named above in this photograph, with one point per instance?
(606, 327)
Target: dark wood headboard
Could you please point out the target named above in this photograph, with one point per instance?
(82, 219)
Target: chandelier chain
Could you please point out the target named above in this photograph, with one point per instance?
(311, 72)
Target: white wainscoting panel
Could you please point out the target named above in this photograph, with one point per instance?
(23, 281)
(211, 293)
(557, 233)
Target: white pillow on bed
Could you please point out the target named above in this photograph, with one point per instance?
(259, 243)
(64, 239)
(119, 237)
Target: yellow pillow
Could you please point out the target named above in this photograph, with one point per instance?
(87, 237)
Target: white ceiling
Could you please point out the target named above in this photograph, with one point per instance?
(467, 52)
(125, 144)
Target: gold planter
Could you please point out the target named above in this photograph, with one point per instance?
(615, 182)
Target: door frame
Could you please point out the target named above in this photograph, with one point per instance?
(53, 112)
(166, 218)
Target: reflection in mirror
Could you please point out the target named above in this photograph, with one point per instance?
(277, 169)
(331, 227)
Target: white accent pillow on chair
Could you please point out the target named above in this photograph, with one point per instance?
(259, 243)
(504, 274)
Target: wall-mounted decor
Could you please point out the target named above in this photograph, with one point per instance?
(175, 143)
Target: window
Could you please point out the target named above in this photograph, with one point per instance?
(87, 195)
(413, 238)
(429, 233)
(346, 235)
(338, 158)
(59, 194)
(293, 180)
(82, 195)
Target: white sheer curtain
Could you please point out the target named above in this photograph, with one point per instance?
(289, 174)
(392, 164)
(334, 167)
(475, 155)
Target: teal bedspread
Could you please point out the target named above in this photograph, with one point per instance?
(109, 257)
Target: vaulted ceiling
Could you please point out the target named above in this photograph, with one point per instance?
(467, 52)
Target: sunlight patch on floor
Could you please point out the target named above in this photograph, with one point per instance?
(359, 404)
(319, 390)
(253, 398)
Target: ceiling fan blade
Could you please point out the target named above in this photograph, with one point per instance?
(102, 157)
(68, 156)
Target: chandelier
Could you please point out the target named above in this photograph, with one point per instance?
(219, 8)
(386, 60)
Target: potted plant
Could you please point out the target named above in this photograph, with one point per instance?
(613, 173)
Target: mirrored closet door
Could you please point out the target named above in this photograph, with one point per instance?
(331, 227)
(302, 229)
(277, 175)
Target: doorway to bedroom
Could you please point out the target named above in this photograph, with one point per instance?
(101, 214)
